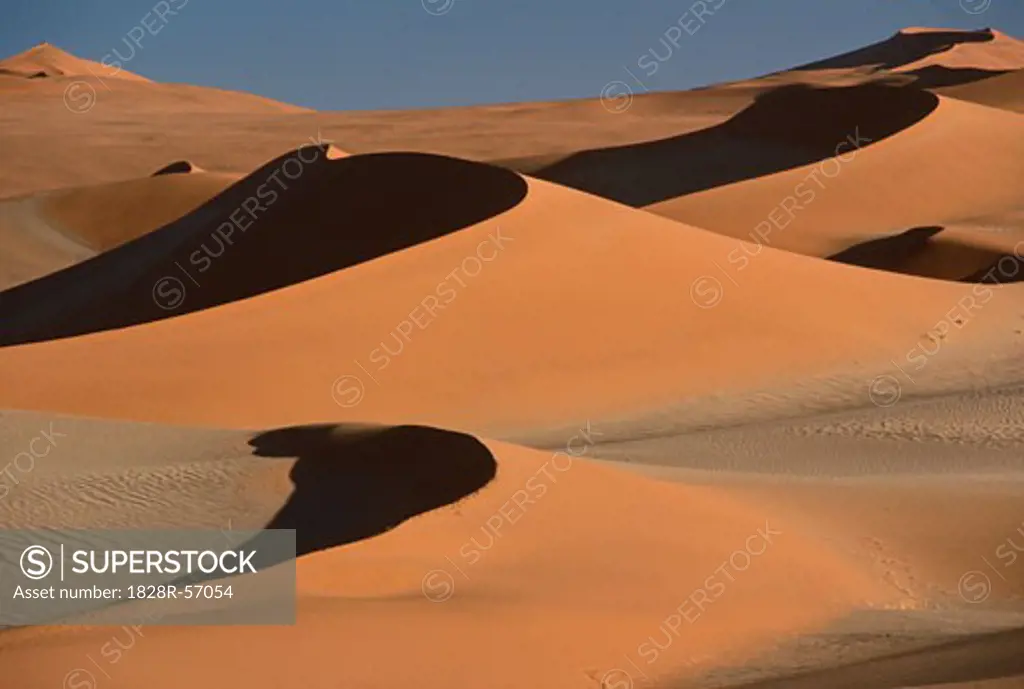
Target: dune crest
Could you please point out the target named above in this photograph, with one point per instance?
(47, 61)
(936, 57)
(178, 167)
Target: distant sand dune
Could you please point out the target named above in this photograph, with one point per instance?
(917, 177)
(945, 254)
(46, 61)
(178, 167)
(759, 141)
(936, 57)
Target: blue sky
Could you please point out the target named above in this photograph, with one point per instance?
(369, 54)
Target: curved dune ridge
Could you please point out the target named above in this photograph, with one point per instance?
(178, 167)
(521, 264)
(936, 57)
(47, 232)
(761, 140)
(914, 178)
(865, 162)
(310, 215)
(581, 533)
(47, 61)
(108, 215)
(961, 254)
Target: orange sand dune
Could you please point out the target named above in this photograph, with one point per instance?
(901, 156)
(560, 561)
(107, 215)
(530, 301)
(178, 167)
(46, 61)
(954, 253)
(960, 161)
(755, 143)
(48, 75)
(46, 232)
(1005, 91)
(936, 57)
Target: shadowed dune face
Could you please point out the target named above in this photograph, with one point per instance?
(45, 61)
(352, 485)
(934, 58)
(789, 127)
(178, 167)
(922, 251)
(903, 48)
(937, 76)
(973, 659)
(264, 233)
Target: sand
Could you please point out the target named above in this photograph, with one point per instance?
(546, 403)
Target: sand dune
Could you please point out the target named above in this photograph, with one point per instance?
(47, 232)
(800, 459)
(1005, 91)
(662, 170)
(46, 61)
(575, 518)
(816, 189)
(178, 167)
(936, 57)
(216, 364)
(911, 179)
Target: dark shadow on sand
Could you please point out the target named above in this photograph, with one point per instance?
(785, 128)
(901, 49)
(888, 253)
(355, 484)
(897, 253)
(317, 217)
(970, 659)
(936, 76)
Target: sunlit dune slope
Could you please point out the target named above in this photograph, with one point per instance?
(107, 215)
(1005, 91)
(45, 61)
(459, 575)
(46, 232)
(916, 177)
(529, 288)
